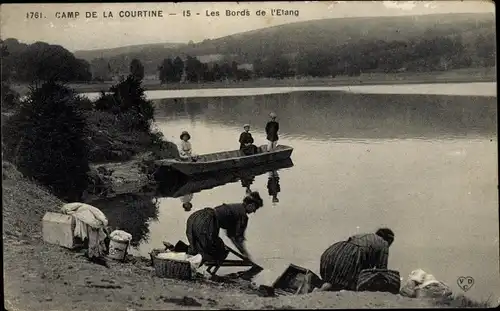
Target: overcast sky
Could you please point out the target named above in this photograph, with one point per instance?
(83, 33)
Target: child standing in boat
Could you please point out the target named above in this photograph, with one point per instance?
(272, 128)
(185, 149)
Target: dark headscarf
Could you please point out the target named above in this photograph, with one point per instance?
(254, 197)
(386, 234)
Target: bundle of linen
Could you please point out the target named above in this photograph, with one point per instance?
(194, 261)
(89, 224)
(422, 284)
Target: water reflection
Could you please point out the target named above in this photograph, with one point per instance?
(273, 186)
(337, 115)
(131, 213)
(186, 202)
(177, 186)
(246, 182)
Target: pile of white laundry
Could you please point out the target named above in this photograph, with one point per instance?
(120, 235)
(90, 224)
(194, 261)
(422, 284)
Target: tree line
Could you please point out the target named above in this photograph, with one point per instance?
(42, 62)
(427, 54)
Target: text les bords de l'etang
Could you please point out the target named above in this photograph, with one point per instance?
(161, 13)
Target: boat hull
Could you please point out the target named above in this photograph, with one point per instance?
(233, 161)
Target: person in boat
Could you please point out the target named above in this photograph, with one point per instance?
(341, 263)
(246, 141)
(272, 128)
(273, 186)
(185, 149)
(203, 227)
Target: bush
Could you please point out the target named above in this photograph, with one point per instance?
(10, 98)
(128, 100)
(46, 140)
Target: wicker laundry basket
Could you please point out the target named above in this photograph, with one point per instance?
(172, 269)
(379, 280)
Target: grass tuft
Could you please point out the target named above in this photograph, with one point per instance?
(461, 301)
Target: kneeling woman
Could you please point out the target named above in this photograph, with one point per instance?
(341, 263)
(203, 228)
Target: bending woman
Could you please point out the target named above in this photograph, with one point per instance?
(341, 263)
(203, 227)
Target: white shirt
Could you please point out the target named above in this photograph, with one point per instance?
(185, 149)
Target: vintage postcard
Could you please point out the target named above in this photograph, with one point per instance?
(250, 155)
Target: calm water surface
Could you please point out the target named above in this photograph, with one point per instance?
(424, 165)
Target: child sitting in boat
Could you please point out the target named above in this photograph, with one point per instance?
(246, 141)
(185, 150)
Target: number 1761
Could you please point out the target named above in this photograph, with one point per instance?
(34, 15)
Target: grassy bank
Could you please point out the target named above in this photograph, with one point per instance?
(452, 76)
(47, 277)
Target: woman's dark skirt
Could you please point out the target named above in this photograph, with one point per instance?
(202, 231)
(341, 264)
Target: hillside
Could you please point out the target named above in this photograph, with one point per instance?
(321, 35)
(88, 55)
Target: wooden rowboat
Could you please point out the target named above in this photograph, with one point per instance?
(226, 160)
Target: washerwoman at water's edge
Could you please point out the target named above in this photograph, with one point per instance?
(203, 227)
(341, 263)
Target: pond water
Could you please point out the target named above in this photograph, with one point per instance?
(424, 165)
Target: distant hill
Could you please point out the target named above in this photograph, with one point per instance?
(88, 55)
(330, 33)
(325, 34)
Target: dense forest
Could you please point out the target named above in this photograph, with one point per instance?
(323, 48)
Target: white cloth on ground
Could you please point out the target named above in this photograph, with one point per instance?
(121, 235)
(423, 284)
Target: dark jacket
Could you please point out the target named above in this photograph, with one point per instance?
(245, 138)
(272, 128)
(233, 218)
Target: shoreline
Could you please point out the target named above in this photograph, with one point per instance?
(459, 76)
(46, 277)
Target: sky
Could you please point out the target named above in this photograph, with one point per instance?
(96, 33)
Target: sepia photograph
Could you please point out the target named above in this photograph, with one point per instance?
(249, 155)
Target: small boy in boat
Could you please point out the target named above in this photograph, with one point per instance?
(185, 150)
(246, 141)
